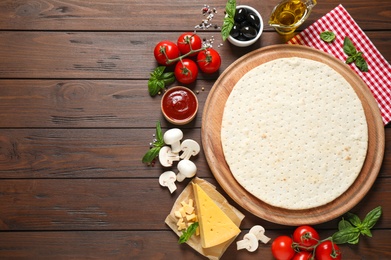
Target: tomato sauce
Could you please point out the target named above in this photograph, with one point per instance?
(179, 104)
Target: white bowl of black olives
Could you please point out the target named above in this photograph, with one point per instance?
(248, 26)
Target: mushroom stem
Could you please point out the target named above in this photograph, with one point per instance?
(259, 233)
(249, 242)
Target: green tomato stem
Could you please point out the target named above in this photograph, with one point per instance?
(169, 61)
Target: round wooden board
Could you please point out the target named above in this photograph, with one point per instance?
(211, 139)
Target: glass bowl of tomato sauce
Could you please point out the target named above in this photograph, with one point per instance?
(179, 105)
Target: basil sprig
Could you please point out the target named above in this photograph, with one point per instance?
(159, 79)
(188, 233)
(350, 229)
(157, 145)
(327, 36)
(228, 22)
(354, 55)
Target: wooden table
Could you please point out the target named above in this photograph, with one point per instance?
(76, 119)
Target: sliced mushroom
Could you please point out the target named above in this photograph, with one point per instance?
(167, 179)
(189, 148)
(249, 242)
(167, 157)
(259, 232)
(173, 137)
(187, 169)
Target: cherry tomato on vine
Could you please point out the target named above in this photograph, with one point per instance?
(189, 41)
(282, 248)
(209, 60)
(186, 71)
(166, 50)
(302, 255)
(327, 251)
(306, 236)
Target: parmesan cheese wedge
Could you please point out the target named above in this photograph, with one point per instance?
(215, 226)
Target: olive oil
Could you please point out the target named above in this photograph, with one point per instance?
(290, 14)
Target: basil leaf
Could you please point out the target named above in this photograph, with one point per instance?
(350, 59)
(327, 36)
(157, 145)
(158, 71)
(159, 135)
(372, 217)
(347, 235)
(188, 233)
(348, 47)
(230, 8)
(228, 22)
(344, 224)
(361, 63)
(354, 219)
(226, 28)
(151, 154)
(366, 231)
(159, 80)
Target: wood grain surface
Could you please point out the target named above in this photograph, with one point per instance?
(76, 119)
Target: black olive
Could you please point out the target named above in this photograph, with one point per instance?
(241, 37)
(253, 19)
(235, 31)
(249, 32)
(240, 15)
(244, 24)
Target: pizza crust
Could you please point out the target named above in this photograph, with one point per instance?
(294, 133)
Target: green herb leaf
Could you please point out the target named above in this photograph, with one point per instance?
(159, 135)
(230, 8)
(188, 233)
(151, 154)
(228, 22)
(327, 36)
(354, 219)
(159, 80)
(348, 235)
(361, 63)
(372, 217)
(344, 224)
(157, 145)
(353, 55)
(366, 232)
(348, 47)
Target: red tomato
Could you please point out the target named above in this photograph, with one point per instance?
(327, 251)
(302, 255)
(306, 236)
(209, 60)
(186, 71)
(189, 41)
(165, 50)
(282, 248)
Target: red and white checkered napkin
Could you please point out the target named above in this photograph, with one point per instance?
(339, 21)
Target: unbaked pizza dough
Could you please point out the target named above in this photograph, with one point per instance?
(294, 133)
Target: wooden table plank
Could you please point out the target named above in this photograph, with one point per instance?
(95, 153)
(110, 55)
(156, 15)
(117, 204)
(149, 245)
(79, 103)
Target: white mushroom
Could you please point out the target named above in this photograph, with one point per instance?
(249, 242)
(187, 169)
(167, 157)
(173, 137)
(189, 148)
(259, 232)
(167, 179)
